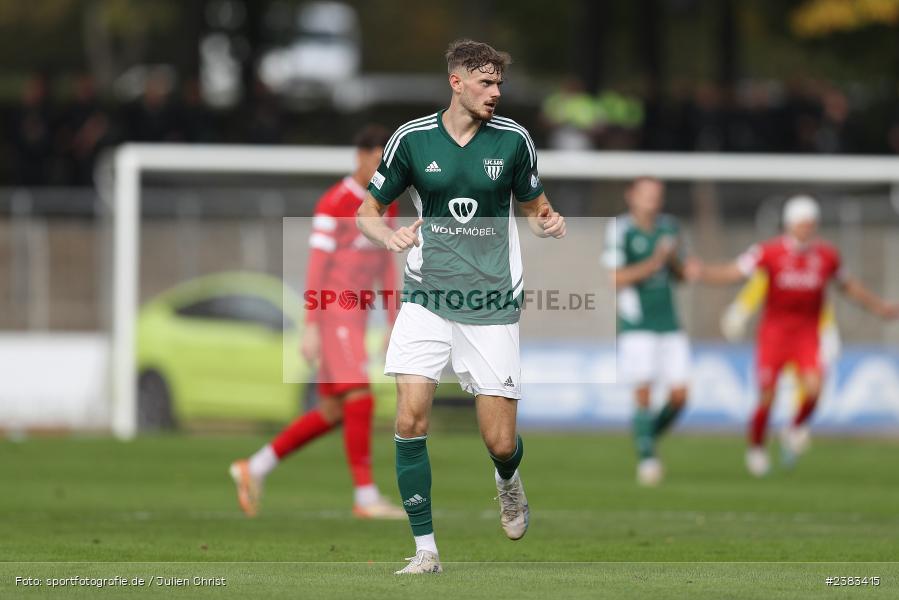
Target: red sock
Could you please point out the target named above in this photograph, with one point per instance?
(300, 432)
(357, 417)
(758, 425)
(805, 410)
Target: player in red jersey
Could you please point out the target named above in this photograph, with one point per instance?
(341, 260)
(799, 267)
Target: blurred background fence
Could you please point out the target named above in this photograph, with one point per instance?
(56, 250)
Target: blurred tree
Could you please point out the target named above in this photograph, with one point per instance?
(819, 18)
(590, 18)
(116, 33)
(252, 37)
(650, 37)
(728, 45)
(842, 40)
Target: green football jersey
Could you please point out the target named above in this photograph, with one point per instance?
(468, 265)
(649, 304)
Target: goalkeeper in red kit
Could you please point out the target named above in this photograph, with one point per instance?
(799, 267)
(341, 259)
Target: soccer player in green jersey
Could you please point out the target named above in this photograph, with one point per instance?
(643, 247)
(463, 277)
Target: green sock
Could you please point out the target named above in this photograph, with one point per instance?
(665, 418)
(506, 468)
(413, 474)
(643, 427)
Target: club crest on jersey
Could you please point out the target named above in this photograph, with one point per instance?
(463, 209)
(493, 167)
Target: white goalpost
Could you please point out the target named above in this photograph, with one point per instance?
(132, 161)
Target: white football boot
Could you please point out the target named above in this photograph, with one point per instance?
(757, 461)
(382, 509)
(249, 489)
(424, 561)
(794, 441)
(513, 506)
(650, 472)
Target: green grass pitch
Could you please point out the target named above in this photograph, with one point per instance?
(164, 507)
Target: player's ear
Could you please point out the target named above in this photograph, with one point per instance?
(455, 81)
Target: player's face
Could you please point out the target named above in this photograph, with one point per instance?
(646, 197)
(480, 91)
(368, 160)
(804, 231)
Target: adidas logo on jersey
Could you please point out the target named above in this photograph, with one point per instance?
(414, 500)
(508, 383)
(433, 167)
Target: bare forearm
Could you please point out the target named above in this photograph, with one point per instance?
(542, 219)
(534, 223)
(864, 297)
(626, 276)
(677, 268)
(370, 222)
(374, 228)
(721, 274)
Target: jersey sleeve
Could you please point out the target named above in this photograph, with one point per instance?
(677, 233)
(393, 174)
(753, 293)
(319, 263)
(322, 242)
(526, 184)
(325, 223)
(755, 257)
(613, 255)
(838, 269)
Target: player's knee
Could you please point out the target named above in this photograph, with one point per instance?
(643, 396)
(766, 398)
(331, 410)
(409, 425)
(812, 388)
(678, 397)
(502, 447)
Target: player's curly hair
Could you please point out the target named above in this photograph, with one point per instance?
(476, 56)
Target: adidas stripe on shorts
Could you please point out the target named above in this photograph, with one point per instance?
(485, 358)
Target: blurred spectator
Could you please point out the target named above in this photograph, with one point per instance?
(580, 121)
(677, 119)
(707, 119)
(802, 115)
(893, 131)
(832, 135)
(85, 129)
(621, 115)
(572, 117)
(154, 118)
(195, 118)
(754, 122)
(265, 125)
(31, 134)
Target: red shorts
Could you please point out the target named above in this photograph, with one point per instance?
(778, 348)
(343, 363)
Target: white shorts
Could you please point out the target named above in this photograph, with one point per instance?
(485, 357)
(645, 357)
